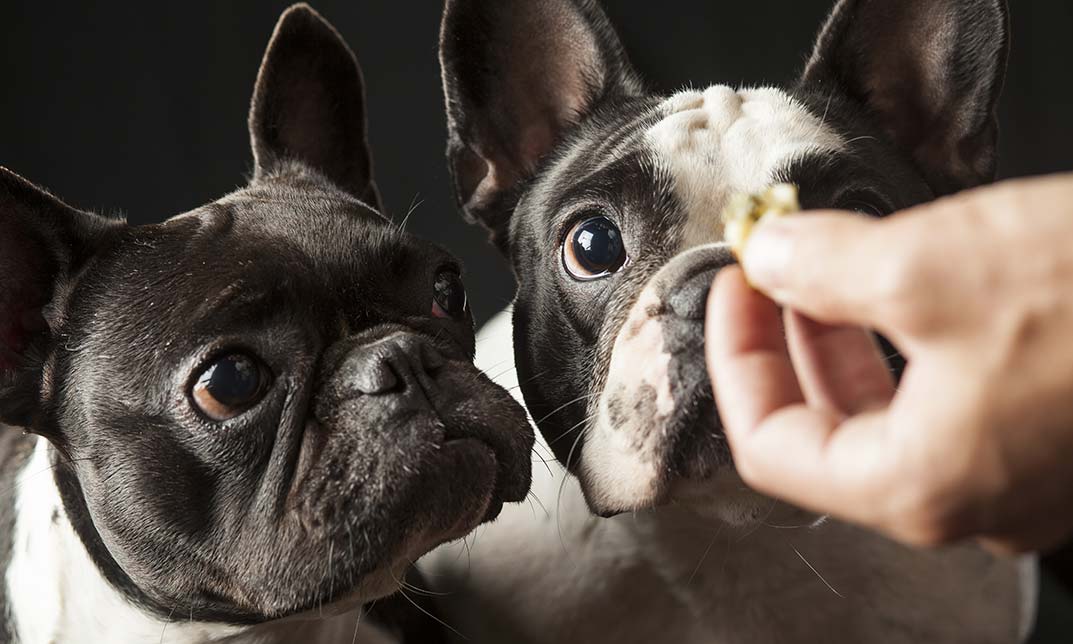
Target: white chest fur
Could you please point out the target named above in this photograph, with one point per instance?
(548, 571)
(57, 595)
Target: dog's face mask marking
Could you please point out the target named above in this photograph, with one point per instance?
(607, 199)
(266, 404)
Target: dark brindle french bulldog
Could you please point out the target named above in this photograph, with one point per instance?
(607, 200)
(245, 423)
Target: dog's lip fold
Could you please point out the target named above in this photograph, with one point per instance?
(503, 488)
(488, 499)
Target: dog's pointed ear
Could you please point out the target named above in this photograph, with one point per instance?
(309, 106)
(43, 244)
(929, 71)
(517, 75)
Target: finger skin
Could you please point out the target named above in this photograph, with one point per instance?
(974, 443)
(840, 368)
(748, 360)
(781, 446)
(824, 264)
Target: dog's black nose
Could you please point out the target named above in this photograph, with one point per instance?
(397, 362)
(683, 284)
(690, 299)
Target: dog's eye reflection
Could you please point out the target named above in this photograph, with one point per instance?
(228, 387)
(593, 249)
(448, 295)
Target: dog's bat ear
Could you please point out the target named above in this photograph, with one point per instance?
(309, 106)
(517, 75)
(929, 72)
(43, 244)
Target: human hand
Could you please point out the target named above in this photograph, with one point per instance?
(976, 291)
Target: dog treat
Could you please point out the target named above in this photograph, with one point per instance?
(746, 210)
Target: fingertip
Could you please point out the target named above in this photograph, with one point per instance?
(740, 318)
(818, 262)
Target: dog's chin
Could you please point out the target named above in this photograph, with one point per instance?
(458, 491)
(723, 497)
(654, 456)
(471, 501)
(460, 485)
(684, 464)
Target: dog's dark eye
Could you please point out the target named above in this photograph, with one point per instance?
(593, 249)
(448, 295)
(230, 386)
(863, 202)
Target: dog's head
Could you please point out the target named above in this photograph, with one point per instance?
(608, 199)
(266, 404)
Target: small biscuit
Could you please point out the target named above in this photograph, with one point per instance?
(744, 211)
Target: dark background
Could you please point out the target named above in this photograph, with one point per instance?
(140, 107)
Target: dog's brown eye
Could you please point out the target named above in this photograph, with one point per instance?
(228, 387)
(593, 249)
(448, 295)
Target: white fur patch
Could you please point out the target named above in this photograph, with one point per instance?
(617, 467)
(58, 596)
(720, 141)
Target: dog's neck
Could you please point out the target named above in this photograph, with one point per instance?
(56, 593)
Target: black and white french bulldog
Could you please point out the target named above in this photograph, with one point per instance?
(245, 423)
(607, 200)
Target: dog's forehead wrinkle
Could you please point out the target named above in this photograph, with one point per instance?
(720, 141)
(608, 137)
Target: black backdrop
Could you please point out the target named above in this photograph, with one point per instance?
(140, 107)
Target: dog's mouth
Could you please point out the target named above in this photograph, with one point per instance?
(639, 450)
(377, 484)
(456, 457)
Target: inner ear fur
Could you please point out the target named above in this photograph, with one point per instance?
(309, 106)
(930, 72)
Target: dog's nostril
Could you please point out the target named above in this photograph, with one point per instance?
(432, 359)
(690, 299)
(375, 374)
(392, 364)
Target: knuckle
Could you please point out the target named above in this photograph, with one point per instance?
(900, 290)
(922, 517)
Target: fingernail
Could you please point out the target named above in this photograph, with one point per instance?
(768, 253)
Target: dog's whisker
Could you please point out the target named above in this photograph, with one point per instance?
(816, 572)
(414, 205)
(562, 486)
(533, 497)
(166, 623)
(861, 138)
(585, 421)
(704, 556)
(565, 405)
(433, 617)
(357, 622)
(545, 461)
(24, 478)
(413, 587)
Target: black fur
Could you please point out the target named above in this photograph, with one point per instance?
(321, 489)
